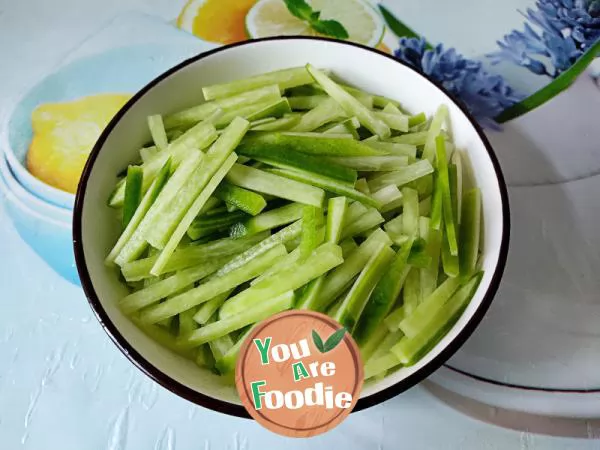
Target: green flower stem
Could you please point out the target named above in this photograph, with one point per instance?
(398, 27)
(551, 90)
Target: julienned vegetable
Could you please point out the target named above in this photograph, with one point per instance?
(265, 198)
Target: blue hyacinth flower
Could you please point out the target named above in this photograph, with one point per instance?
(485, 95)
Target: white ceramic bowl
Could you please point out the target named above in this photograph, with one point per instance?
(95, 227)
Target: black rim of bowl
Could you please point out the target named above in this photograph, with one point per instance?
(230, 408)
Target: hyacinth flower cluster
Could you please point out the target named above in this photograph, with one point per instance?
(484, 94)
(565, 30)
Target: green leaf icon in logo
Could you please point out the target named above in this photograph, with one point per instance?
(331, 342)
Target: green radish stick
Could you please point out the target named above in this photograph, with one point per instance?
(470, 230)
(312, 220)
(349, 104)
(384, 295)
(224, 326)
(267, 220)
(285, 79)
(402, 176)
(147, 201)
(450, 262)
(213, 287)
(133, 193)
(446, 195)
(353, 304)
(208, 309)
(158, 133)
(269, 183)
(248, 201)
(429, 151)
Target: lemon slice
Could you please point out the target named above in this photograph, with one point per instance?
(272, 18)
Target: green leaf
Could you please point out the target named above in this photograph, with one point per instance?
(299, 8)
(551, 90)
(334, 340)
(330, 28)
(318, 341)
(398, 27)
(303, 11)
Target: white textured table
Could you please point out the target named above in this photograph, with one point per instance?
(64, 385)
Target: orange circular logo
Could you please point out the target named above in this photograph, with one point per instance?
(299, 373)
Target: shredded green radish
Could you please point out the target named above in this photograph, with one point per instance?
(290, 190)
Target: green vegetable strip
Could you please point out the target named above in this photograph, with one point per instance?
(402, 176)
(192, 212)
(394, 121)
(436, 204)
(133, 193)
(137, 243)
(411, 292)
(375, 366)
(417, 119)
(384, 295)
(195, 114)
(190, 255)
(392, 148)
(187, 324)
(213, 287)
(267, 220)
(283, 124)
(254, 314)
(410, 213)
(312, 219)
(255, 123)
(372, 163)
(336, 211)
(157, 130)
(348, 246)
(361, 185)
(429, 274)
(353, 304)
(368, 346)
(335, 220)
(385, 345)
(148, 153)
(425, 206)
(283, 236)
(326, 183)
(197, 137)
(219, 347)
(457, 162)
(311, 143)
(470, 230)
(408, 348)
(291, 159)
(351, 105)
(204, 357)
(268, 183)
(164, 338)
(248, 201)
(446, 195)
(388, 195)
(390, 108)
(395, 226)
(429, 151)
(450, 262)
(169, 285)
(393, 319)
(227, 363)
(411, 324)
(303, 102)
(354, 212)
(288, 260)
(325, 112)
(323, 259)
(208, 309)
(418, 138)
(272, 110)
(341, 277)
(207, 225)
(369, 220)
(285, 79)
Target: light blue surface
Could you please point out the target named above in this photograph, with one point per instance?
(65, 386)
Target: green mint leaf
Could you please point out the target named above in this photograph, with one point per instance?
(330, 28)
(334, 340)
(318, 341)
(315, 15)
(299, 8)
